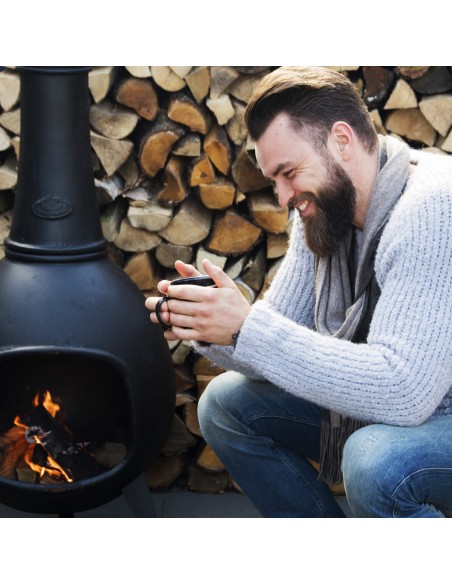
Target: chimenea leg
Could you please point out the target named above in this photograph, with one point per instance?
(139, 498)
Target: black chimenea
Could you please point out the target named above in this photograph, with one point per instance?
(71, 321)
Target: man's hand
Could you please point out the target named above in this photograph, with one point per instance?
(196, 313)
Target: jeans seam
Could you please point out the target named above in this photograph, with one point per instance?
(256, 417)
(441, 469)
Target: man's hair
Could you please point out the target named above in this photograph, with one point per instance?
(314, 98)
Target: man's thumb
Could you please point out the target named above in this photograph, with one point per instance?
(221, 279)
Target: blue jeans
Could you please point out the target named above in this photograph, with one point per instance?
(264, 436)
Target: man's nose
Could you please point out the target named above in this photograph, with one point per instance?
(284, 192)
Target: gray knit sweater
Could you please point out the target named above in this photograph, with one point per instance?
(403, 375)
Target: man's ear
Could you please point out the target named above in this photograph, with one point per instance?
(342, 140)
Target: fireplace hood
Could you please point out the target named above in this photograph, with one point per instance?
(71, 320)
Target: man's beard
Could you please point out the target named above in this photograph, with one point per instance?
(335, 209)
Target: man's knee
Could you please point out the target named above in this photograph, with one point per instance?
(361, 455)
(216, 403)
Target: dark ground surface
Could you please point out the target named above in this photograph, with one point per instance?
(174, 503)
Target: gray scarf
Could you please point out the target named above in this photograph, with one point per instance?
(343, 307)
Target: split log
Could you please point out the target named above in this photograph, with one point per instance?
(254, 272)
(243, 87)
(411, 124)
(180, 353)
(208, 460)
(152, 217)
(435, 80)
(165, 78)
(246, 174)
(214, 259)
(222, 108)
(131, 239)
(179, 439)
(108, 188)
(218, 195)
(144, 71)
(181, 70)
(190, 414)
(186, 111)
(9, 89)
(190, 224)
(185, 379)
(447, 144)
(157, 143)
(188, 145)
(236, 127)
(165, 470)
(130, 173)
(111, 218)
(176, 189)
(140, 95)
(266, 212)
(437, 109)
(100, 81)
(216, 146)
(143, 270)
(271, 273)
(198, 81)
(8, 173)
(402, 97)
(5, 140)
(376, 118)
(11, 121)
(143, 196)
(277, 245)
(221, 79)
(204, 371)
(112, 153)
(236, 265)
(185, 397)
(247, 292)
(201, 171)
(112, 121)
(233, 235)
(411, 72)
(202, 481)
(378, 81)
(167, 254)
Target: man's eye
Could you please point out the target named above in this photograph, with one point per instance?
(288, 173)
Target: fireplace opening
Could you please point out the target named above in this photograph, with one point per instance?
(64, 418)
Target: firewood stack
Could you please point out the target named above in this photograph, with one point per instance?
(176, 178)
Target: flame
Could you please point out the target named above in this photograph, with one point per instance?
(53, 468)
(48, 403)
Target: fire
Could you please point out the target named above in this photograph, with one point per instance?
(51, 468)
(48, 403)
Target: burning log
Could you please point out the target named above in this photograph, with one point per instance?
(12, 447)
(74, 461)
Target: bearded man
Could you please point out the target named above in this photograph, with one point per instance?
(346, 361)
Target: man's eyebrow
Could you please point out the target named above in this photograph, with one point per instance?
(279, 168)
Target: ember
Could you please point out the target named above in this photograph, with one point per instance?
(40, 448)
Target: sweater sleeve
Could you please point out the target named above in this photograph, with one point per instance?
(291, 294)
(403, 372)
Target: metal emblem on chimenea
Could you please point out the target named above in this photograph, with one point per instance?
(51, 208)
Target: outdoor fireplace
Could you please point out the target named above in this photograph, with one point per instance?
(86, 380)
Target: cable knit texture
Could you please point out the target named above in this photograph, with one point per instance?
(403, 374)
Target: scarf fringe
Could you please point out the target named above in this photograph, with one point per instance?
(333, 436)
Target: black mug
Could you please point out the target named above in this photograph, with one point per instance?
(194, 280)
